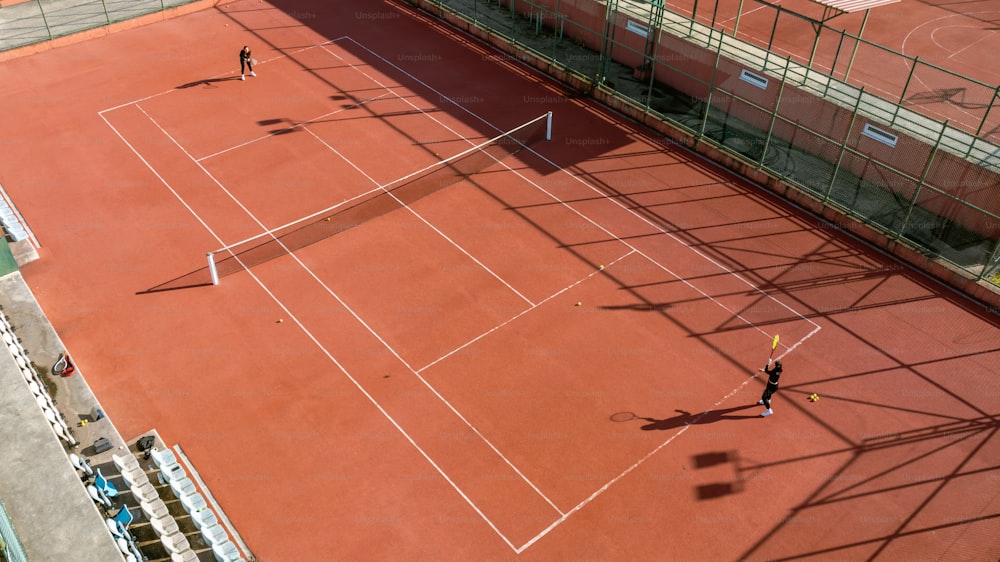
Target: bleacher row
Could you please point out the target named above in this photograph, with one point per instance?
(170, 475)
(173, 480)
(11, 223)
(35, 383)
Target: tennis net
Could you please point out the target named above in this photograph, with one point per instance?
(392, 196)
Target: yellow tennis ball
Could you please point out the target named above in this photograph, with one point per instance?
(280, 320)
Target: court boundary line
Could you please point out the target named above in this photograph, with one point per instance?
(323, 348)
(357, 317)
(267, 290)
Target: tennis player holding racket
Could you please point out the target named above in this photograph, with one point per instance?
(246, 62)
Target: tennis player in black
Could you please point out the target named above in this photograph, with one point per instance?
(773, 374)
(246, 62)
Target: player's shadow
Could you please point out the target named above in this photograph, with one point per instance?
(684, 417)
(207, 82)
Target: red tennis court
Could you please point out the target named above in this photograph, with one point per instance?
(550, 356)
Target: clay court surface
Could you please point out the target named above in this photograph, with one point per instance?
(445, 379)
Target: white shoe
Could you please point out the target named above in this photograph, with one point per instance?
(766, 413)
(242, 77)
(760, 402)
(252, 73)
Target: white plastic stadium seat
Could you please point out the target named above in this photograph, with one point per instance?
(155, 508)
(173, 472)
(226, 552)
(164, 526)
(175, 543)
(204, 518)
(186, 556)
(183, 487)
(135, 477)
(125, 462)
(193, 503)
(80, 464)
(163, 457)
(145, 493)
(214, 534)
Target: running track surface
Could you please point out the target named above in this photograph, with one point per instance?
(443, 382)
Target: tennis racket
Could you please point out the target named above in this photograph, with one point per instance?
(774, 345)
(253, 62)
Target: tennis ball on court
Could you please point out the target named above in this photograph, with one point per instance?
(327, 219)
(602, 268)
(280, 320)
(578, 303)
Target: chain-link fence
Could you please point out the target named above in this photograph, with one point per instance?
(874, 154)
(36, 21)
(10, 545)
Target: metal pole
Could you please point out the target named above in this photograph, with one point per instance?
(694, 14)
(836, 58)
(711, 85)
(812, 55)
(212, 270)
(854, 53)
(656, 17)
(979, 130)
(739, 13)
(609, 9)
(774, 112)
(45, 20)
(770, 40)
(906, 86)
(922, 181)
(843, 147)
(107, 16)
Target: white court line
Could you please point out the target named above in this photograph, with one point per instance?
(319, 345)
(518, 315)
(231, 73)
(289, 128)
(378, 406)
(585, 183)
(816, 327)
(353, 313)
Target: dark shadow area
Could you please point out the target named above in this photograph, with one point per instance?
(974, 435)
(201, 277)
(388, 198)
(207, 82)
(952, 96)
(684, 417)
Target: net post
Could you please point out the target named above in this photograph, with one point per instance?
(548, 126)
(211, 268)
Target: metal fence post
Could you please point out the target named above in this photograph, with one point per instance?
(902, 94)
(45, 20)
(774, 112)
(996, 93)
(923, 180)
(711, 85)
(857, 43)
(843, 147)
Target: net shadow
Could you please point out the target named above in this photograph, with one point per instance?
(296, 236)
(391, 197)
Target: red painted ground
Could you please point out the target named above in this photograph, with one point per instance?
(959, 37)
(435, 391)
